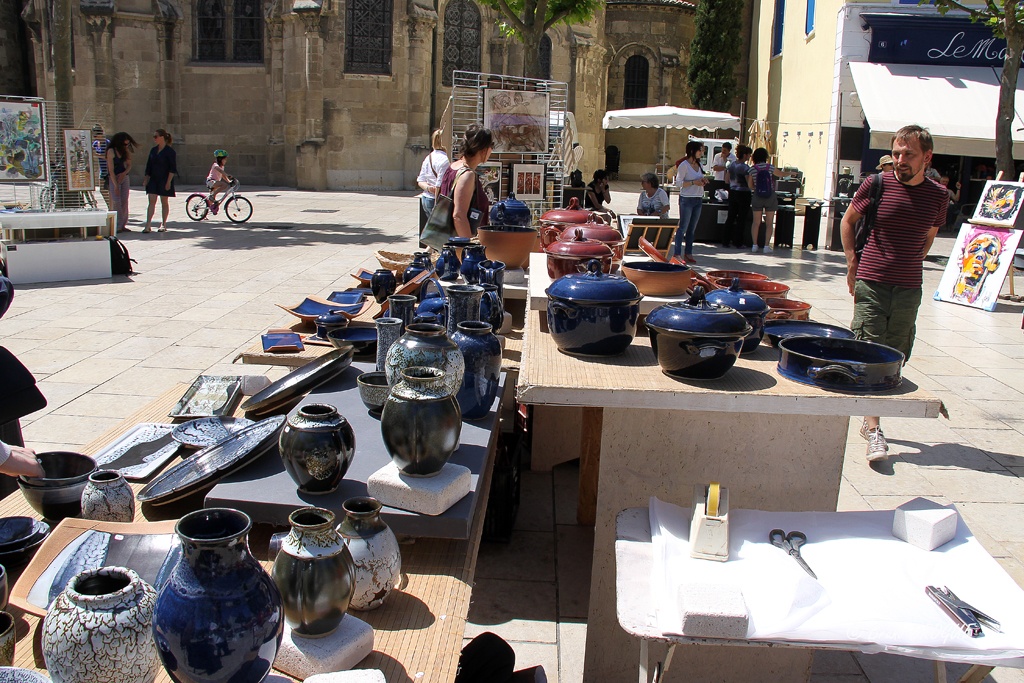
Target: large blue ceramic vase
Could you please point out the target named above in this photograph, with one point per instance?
(218, 618)
(482, 354)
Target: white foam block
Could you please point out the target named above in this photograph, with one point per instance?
(425, 495)
(924, 523)
(356, 676)
(303, 657)
(713, 611)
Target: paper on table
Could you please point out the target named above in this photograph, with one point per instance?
(870, 592)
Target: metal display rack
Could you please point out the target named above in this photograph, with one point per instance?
(468, 108)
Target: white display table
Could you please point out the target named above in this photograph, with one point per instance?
(58, 261)
(14, 226)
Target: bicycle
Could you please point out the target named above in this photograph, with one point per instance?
(237, 208)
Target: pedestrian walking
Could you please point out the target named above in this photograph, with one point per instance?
(763, 200)
(431, 171)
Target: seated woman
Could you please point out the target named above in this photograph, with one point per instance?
(598, 194)
(653, 200)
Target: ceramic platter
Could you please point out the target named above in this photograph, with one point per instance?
(210, 464)
(312, 307)
(139, 452)
(208, 431)
(12, 674)
(281, 341)
(348, 297)
(300, 381)
(209, 396)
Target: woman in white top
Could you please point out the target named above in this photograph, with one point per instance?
(429, 179)
(653, 199)
(691, 181)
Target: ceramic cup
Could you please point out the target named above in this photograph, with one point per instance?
(3, 588)
(8, 637)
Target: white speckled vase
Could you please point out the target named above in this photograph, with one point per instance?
(374, 550)
(100, 629)
(108, 498)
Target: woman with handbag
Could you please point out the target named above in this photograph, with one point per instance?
(431, 171)
(469, 201)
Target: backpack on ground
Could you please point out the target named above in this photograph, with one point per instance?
(120, 261)
(764, 180)
(867, 219)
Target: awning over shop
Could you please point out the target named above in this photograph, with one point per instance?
(957, 105)
(670, 117)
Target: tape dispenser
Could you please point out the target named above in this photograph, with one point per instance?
(709, 528)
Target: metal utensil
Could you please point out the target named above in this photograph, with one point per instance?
(791, 543)
(966, 616)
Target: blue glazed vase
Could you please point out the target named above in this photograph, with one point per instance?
(383, 284)
(463, 305)
(481, 352)
(448, 264)
(420, 263)
(471, 258)
(218, 618)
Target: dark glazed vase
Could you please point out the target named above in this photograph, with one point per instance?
(315, 573)
(218, 618)
(482, 354)
(448, 264)
(421, 422)
(425, 344)
(420, 263)
(375, 552)
(463, 305)
(492, 310)
(317, 445)
(383, 284)
(471, 258)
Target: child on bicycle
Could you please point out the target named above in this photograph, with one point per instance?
(217, 180)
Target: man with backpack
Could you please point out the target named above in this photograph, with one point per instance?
(885, 278)
(739, 199)
(763, 200)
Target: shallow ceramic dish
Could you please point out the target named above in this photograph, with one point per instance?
(362, 339)
(208, 431)
(741, 274)
(777, 330)
(12, 674)
(140, 451)
(763, 288)
(210, 464)
(209, 396)
(299, 381)
(311, 307)
(15, 532)
(788, 309)
(840, 364)
(654, 278)
(349, 297)
(21, 555)
(363, 276)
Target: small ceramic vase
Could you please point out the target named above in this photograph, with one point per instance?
(8, 638)
(482, 354)
(315, 573)
(108, 498)
(100, 629)
(424, 344)
(420, 263)
(375, 551)
(448, 264)
(421, 421)
(492, 273)
(402, 306)
(471, 258)
(383, 284)
(317, 445)
(491, 309)
(463, 305)
(389, 331)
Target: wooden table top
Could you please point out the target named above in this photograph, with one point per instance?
(417, 633)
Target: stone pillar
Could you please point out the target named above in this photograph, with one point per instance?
(277, 173)
(422, 21)
(497, 53)
(100, 29)
(310, 169)
(589, 97)
(168, 31)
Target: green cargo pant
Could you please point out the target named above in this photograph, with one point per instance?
(886, 314)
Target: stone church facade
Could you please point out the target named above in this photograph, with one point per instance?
(339, 94)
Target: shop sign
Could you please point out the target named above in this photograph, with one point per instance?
(942, 41)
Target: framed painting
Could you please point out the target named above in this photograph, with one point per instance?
(490, 178)
(518, 120)
(527, 181)
(22, 141)
(78, 160)
(981, 258)
(1000, 205)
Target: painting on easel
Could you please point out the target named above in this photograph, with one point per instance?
(978, 264)
(1000, 205)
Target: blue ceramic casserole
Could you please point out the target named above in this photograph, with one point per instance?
(749, 305)
(593, 313)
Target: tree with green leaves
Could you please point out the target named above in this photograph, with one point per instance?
(528, 20)
(714, 53)
(1006, 19)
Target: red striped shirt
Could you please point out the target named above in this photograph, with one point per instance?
(907, 213)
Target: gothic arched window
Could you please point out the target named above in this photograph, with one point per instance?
(211, 28)
(229, 31)
(461, 39)
(545, 57)
(635, 91)
(368, 44)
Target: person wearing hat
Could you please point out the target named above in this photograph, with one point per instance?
(217, 180)
(885, 163)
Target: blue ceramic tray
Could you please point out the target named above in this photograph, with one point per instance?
(281, 341)
(310, 308)
(348, 297)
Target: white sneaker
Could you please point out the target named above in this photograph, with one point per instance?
(878, 448)
(864, 431)
(754, 249)
(768, 249)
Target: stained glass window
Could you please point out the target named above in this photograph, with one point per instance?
(635, 91)
(368, 26)
(545, 57)
(461, 39)
(229, 31)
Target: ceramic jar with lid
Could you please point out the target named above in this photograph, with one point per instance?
(511, 211)
(602, 233)
(696, 339)
(750, 306)
(593, 313)
(559, 218)
(569, 257)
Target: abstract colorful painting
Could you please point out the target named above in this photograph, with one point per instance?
(78, 160)
(1000, 204)
(518, 120)
(22, 141)
(978, 264)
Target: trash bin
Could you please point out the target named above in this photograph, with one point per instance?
(785, 220)
(839, 207)
(812, 224)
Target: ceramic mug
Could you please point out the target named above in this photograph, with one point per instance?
(8, 637)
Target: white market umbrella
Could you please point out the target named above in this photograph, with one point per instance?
(666, 117)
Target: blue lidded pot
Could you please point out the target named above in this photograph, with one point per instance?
(696, 339)
(331, 320)
(749, 305)
(511, 211)
(593, 313)
(420, 263)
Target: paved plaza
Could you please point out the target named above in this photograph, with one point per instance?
(206, 291)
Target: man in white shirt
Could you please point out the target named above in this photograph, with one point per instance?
(722, 160)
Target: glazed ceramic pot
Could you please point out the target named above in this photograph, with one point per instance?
(601, 232)
(560, 218)
(510, 244)
(448, 264)
(375, 552)
(482, 354)
(434, 301)
(492, 309)
(472, 255)
(421, 422)
(763, 288)
(107, 497)
(420, 263)
(331, 320)
(383, 284)
(749, 305)
(373, 391)
(593, 314)
(58, 493)
(389, 331)
(511, 211)
(463, 305)
(787, 309)
(218, 617)
(695, 339)
(8, 638)
(100, 629)
(315, 574)
(317, 445)
(427, 345)
(741, 274)
(402, 306)
(570, 257)
(654, 278)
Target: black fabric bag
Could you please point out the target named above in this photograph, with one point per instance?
(20, 396)
(120, 261)
(440, 226)
(862, 230)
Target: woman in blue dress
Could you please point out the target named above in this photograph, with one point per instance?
(161, 167)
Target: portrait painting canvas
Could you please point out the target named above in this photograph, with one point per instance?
(527, 181)
(1000, 205)
(22, 141)
(978, 264)
(78, 160)
(489, 174)
(518, 120)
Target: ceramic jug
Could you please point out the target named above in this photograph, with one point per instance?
(463, 305)
(471, 258)
(448, 264)
(420, 263)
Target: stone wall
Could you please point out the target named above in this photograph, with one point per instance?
(13, 73)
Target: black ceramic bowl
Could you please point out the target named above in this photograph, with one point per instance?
(777, 330)
(363, 339)
(16, 532)
(61, 468)
(22, 554)
(373, 390)
(54, 502)
(694, 356)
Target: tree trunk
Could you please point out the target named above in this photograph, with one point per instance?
(531, 52)
(1014, 32)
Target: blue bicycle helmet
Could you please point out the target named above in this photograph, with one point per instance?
(220, 154)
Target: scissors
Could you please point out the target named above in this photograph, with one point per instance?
(791, 543)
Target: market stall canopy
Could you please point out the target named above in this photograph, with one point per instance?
(958, 105)
(670, 117)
